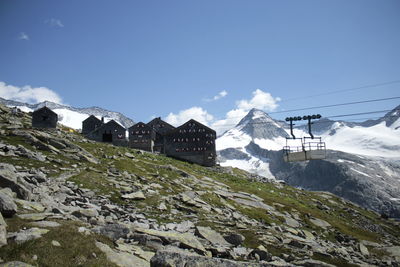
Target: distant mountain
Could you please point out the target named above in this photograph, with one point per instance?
(362, 164)
(70, 116)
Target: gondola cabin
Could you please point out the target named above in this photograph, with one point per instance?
(142, 136)
(91, 124)
(193, 142)
(44, 118)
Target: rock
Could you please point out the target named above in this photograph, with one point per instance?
(312, 263)
(7, 205)
(363, 249)
(308, 235)
(234, 239)
(28, 234)
(9, 178)
(135, 196)
(186, 239)
(292, 222)
(34, 216)
(114, 231)
(29, 205)
(261, 253)
(184, 226)
(320, 223)
(122, 259)
(3, 232)
(129, 155)
(214, 237)
(165, 258)
(162, 206)
(148, 241)
(56, 243)
(15, 264)
(45, 224)
(85, 213)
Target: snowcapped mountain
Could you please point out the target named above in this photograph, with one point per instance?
(362, 164)
(70, 116)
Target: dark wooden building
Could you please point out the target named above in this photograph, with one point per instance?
(142, 136)
(44, 118)
(193, 142)
(110, 132)
(161, 128)
(91, 124)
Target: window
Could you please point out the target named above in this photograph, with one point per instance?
(174, 140)
(198, 139)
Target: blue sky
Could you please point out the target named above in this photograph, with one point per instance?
(174, 58)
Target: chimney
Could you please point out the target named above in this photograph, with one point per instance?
(102, 119)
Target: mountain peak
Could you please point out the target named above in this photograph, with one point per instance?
(258, 124)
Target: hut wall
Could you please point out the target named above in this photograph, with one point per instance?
(44, 118)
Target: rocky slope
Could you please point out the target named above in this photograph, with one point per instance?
(70, 116)
(67, 201)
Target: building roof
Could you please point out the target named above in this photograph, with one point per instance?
(91, 117)
(113, 122)
(196, 122)
(45, 109)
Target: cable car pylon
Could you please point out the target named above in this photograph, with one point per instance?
(306, 148)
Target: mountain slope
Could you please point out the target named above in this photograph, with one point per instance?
(364, 161)
(70, 116)
(82, 203)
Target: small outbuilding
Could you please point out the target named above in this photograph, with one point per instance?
(193, 142)
(91, 124)
(44, 118)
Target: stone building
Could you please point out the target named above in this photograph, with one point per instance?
(91, 124)
(142, 136)
(161, 128)
(193, 142)
(44, 118)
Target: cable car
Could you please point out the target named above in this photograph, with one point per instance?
(306, 148)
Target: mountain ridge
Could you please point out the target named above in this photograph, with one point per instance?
(69, 119)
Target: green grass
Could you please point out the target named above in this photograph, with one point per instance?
(76, 248)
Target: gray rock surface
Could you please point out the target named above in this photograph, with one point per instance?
(7, 205)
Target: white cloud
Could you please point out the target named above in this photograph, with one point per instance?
(220, 95)
(183, 116)
(54, 22)
(260, 100)
(28, 94)
(23, 36)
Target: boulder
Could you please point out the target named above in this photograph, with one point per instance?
(234, 239)
(320, 223)
(85, 213)
(214, 237)
(122, 259)
(29, 234)
(261, 254)
(3, 232)
(7, 205)
(134, 196)
(8, 178)
(113, 231)
(187, 240)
